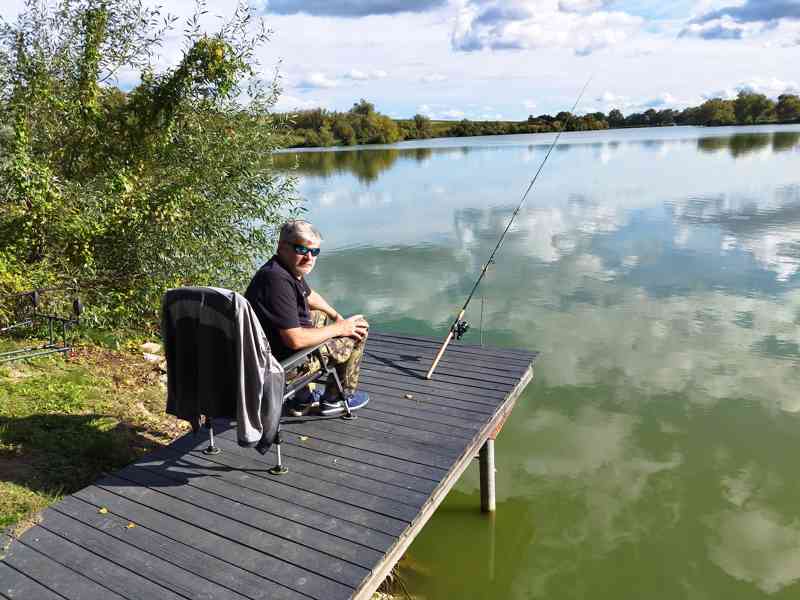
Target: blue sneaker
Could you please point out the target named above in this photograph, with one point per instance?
(303, 402)
(355, 401)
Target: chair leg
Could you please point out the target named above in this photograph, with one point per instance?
(278, 469)
(212, 448)
(348, 416)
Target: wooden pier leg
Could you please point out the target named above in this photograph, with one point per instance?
(488, 502)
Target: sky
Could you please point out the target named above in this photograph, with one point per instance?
(507, 59)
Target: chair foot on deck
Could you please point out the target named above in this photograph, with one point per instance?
(212, 450)
(278, 470)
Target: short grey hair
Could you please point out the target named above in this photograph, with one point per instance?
(296, 229)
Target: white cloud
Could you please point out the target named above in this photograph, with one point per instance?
(440, 112)
(627, 104)
(582, 5)
(358, 75)
(452, 114)
(317, 80)
(288, 103)
(433, 78)
(772, 87)
(521, 25)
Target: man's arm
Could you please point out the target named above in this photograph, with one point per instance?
(298, 338)
(317, 302)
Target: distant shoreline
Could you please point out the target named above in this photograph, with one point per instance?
(416, 143)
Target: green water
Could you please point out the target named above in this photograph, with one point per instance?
(658, 271)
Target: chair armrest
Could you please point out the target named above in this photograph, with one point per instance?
(298, 358)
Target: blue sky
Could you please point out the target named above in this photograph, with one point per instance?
(506, 59)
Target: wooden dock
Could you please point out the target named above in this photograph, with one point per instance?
(180, 524)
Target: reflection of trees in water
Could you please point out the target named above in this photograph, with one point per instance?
(741, 144)
(785, 140)
(366, 165)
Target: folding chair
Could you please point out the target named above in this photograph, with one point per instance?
(201, 329)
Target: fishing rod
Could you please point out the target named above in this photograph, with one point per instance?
(460, 326)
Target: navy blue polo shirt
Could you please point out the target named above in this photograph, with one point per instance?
(280, 301)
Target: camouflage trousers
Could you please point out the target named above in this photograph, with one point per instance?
(344, 352)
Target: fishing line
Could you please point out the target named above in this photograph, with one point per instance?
(460, 326)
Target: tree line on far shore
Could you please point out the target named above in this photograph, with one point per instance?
(362, 124)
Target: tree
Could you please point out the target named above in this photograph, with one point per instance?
(788, 108)
(132, 192)
(422, 124)
(363, 108)
(344, 131)
(616, 118)
(716, 112)
(751, 107)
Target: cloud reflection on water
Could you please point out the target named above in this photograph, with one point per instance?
(661, 282)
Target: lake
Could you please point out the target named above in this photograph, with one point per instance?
(658, 271)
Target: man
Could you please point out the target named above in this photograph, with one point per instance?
(294, 317)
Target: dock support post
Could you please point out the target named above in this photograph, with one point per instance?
(488, 502)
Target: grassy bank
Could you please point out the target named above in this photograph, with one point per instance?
(65, 420)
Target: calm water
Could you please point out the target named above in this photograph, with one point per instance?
(655, 454)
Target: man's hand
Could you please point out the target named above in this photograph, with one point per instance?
(355, 327)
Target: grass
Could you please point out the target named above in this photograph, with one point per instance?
(65, 420)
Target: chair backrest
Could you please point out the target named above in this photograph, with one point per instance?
(199, 331)
(219, 363)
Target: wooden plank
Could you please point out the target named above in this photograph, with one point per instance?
(457, 347)
(476, 367)
(491, 395)
(182, 556)
(289, 541)
(260, 488)
(483, 370)
(408, 410)
(440, 444)
(97, 556)
(53, 575)
(440, 403)
(491, 391)
(334, 492)
(323, 459)
(322, 538)
(394, 479)
(299, 435)
(414, 452)
(427, 353)
(381, 412)
(408, 489)
(370, 584)
(325, 505)
(215, 541)
(455, 353)
(18, 586)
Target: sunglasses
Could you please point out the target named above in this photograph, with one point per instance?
(303, 250)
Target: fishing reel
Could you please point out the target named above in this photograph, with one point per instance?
(460, 327)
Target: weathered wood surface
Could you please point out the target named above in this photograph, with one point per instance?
(180, 524)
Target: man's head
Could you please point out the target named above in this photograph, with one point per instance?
(297, 245)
